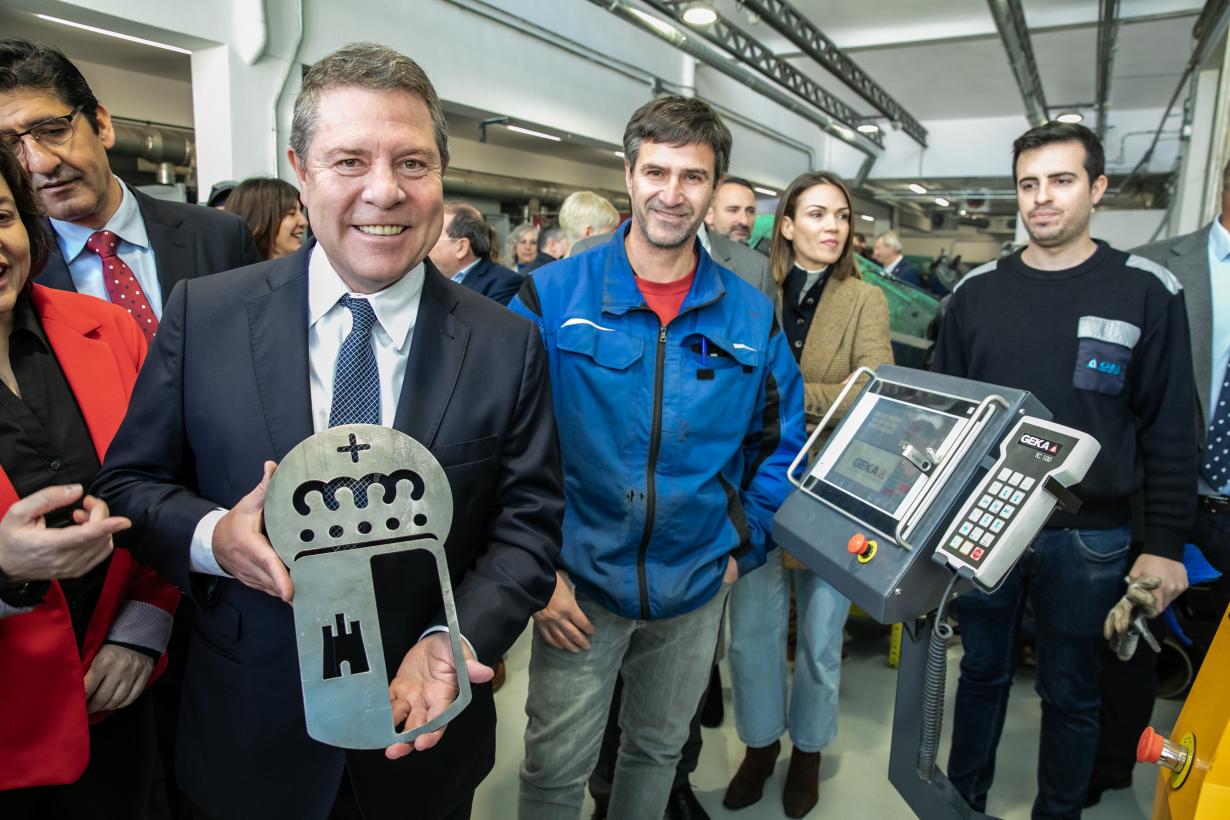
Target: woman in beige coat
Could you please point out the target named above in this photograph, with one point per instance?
(835, 323)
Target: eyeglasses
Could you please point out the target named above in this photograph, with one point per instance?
(49, 133)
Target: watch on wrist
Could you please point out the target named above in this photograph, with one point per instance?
(22, 594)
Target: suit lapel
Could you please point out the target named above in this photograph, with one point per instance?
(277, 328)
(1189, 262)
(437, 350)
(55, 273)
(828, 327)
(174, 246)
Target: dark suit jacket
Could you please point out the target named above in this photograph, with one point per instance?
(541, 259)
(226, 388)
(1187, 257)
(188, 241)
(493, 281)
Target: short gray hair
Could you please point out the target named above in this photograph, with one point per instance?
(585, 209)
(890, 239)
(364, 65)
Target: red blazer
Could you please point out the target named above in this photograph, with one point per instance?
(44, 729)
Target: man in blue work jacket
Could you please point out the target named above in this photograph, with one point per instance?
(679, 409)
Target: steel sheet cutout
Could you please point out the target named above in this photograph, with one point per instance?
(340, 498)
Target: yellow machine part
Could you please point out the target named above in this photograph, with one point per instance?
(1205, 792)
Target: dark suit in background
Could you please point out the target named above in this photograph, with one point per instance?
(226, 387)
(187, 240)
(543, 258)
(493, 281)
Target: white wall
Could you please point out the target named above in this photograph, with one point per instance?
(1124, 229)
(140, 96)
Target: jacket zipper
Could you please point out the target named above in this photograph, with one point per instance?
(655, 441)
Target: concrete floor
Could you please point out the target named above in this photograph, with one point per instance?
(854, 781)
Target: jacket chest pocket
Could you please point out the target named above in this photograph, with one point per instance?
(603, 357)
(1103, 354)
(714, 358)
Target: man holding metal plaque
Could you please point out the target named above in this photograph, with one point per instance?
(421, 522)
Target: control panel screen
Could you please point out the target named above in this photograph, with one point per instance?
(871, 466)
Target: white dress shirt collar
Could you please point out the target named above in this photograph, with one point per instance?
(126, 223)
(396, 307)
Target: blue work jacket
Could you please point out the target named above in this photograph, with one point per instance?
(675, 439)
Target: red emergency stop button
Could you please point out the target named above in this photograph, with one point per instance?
(1149, 747)
(858, 544)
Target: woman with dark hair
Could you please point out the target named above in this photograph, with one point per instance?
(835, 323)
(271, 209)
(83, 628)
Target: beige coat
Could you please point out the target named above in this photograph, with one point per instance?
(849, 331)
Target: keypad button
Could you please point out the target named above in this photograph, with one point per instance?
(986, 520)
(984, 502)
(1027, 484)
(975, 516)
(996, 525)
(1004, 473)
(1018, 497)
(987, 539)
(966, 547)
(956, 542)
(995, 487)
(1005, 493)
(1007, 511)
(978, 533)
(965, 528)
(1015, 479)
(996, 506)
(976, 553)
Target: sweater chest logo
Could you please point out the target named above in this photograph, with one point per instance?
(1110, 368)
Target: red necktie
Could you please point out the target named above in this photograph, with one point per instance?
(123, 289)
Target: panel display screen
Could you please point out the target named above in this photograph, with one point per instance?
(871, 466)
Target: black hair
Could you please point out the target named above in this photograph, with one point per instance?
(1055, 131)
(28, 208)
(24, 64)
(679, 121)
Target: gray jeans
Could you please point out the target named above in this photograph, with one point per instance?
(665, 667)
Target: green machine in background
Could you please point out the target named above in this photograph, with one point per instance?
(910, 309)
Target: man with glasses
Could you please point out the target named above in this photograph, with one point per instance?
(112, 241)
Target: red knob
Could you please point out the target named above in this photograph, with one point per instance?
(1149, 747)
(857, 545)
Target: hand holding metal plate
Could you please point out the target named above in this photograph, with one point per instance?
(338, 499)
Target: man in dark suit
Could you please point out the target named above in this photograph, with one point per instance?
(552, 246)
(888, 253)
(112, 241)
(357, 326)
(463, 254)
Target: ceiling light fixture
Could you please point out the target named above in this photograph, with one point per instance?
(916, 188)
(1070, 117)
(867, 217)
(943, 203)
(619, 154)
(530, 133)
(963, 212)
(869, 128)
(700, 14)
(765, 191)
(115, 34)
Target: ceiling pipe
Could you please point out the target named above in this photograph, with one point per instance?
(692, 45)
(151, 143)
(1010, 20)
(1108, 32)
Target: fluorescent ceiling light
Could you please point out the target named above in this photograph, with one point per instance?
(700, 14)
(963, 212)
(764, 191)
(114, 34)
(916, 188)
(530, 133)
(869, 128)
(1070, 117)
(659, 25)
(619, 154)
(867, 217)
(943, 203)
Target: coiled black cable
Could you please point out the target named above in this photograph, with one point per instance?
(934, 682)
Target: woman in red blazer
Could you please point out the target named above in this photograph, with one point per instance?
(83, 628)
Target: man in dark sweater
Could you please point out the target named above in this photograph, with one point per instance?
(1101, 338)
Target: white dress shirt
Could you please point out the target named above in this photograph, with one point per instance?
(396, 308)
(85, 266)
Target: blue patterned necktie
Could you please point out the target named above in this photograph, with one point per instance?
(1215, 466)
(356, 378)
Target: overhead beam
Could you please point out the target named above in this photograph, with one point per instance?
(1108, 32)
(1010, 20)
(795, 27)
(753, 53)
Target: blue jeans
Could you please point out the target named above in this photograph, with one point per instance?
(1072, 578)
(759, 614)
(665, 668)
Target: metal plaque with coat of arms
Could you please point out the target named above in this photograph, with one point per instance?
(340, 498)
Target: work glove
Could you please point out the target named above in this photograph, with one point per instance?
(1125, 623)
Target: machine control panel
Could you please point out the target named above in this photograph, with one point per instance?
(1037, 461)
